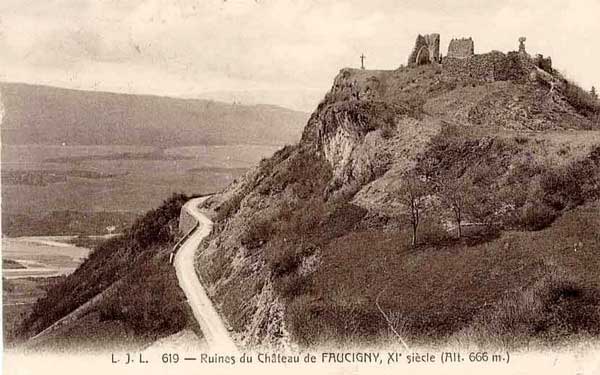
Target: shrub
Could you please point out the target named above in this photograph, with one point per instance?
(228, 208)
(388, 132)
(305, 219)
(157, 226)
(524, 170)
(292, 285)
(415, 103)
(340, 218)
(535, 216)
(553, 308)
(479, 234)
(267, 164)
(282, 259)
(313, 322)
(521, 139)
(561, 189)
(306, 171)
(434, 233)
(258, 233)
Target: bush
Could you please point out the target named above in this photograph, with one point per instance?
(306, 171)
(292, 285)
(282, 259)
(388, 132)
(258, 233)
(158, 226)
(481, 234)
(266, 165)
(561, 189)
(521, 139)
(535, 216)
(228, 208)
(553, 308)
(313, 322)
(433, 232)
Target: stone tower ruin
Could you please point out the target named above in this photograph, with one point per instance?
(426, 51)
(461, 48)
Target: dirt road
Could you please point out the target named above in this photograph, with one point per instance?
(213, 328)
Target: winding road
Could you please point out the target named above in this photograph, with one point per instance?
(211, 324)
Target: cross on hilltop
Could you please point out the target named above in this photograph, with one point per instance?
(362, 61)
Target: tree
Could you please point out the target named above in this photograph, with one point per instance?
(594, 93)
(427, 166)
(457, 195)
(412, 193)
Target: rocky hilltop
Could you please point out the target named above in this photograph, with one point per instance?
(454, 200)
(451, 200)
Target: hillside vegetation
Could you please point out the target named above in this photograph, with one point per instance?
(126, 287)
(449, 203)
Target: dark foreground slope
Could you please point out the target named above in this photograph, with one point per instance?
(49, 115)
(125, 295)
(314, 246)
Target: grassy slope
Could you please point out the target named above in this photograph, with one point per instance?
(18, 298)
(436, 291)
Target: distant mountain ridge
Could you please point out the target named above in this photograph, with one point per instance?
(50, 115)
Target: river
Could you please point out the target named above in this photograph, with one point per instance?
(41, 256)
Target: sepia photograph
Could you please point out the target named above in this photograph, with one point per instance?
(325, 186)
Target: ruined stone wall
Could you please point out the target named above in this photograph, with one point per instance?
(489, 67)
(426, 50)
(461, 48)
(544, 63)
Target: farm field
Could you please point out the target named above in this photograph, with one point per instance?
(118, 181)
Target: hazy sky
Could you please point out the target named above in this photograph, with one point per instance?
(284, 51)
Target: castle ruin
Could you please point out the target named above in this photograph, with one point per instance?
(426, 51)
(461, 48)
(463, 64)
(544, 63)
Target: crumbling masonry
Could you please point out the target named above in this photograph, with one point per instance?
(461, 48)
(426, 51)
